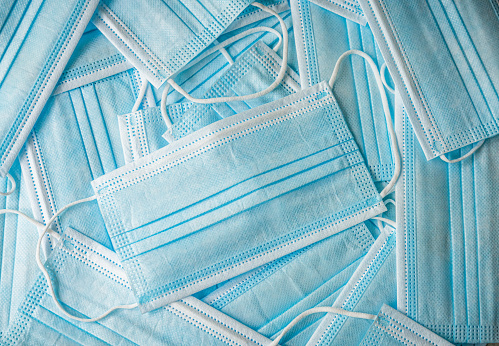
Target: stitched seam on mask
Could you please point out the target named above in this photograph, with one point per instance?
(270, 63)
(129, 135)
(222, 323)
(363, 236)
(80, 257)
(395, 322)
(308, 42)
(278, 246)
(381, 172)
(154, 61)
(91, 68)
(466, 333)
(88, 248)
(45, 190)
(43, 79)
(225, 339)
(392, 331)
(254, 279)
(426, 132)
(258, 127)
(347, 6)
(254, 10)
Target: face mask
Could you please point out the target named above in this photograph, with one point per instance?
(356, 89)
(199, 76)
(372, 285)
(34, 48)
(18, 238)
(350, 9)
(284, 288)
(87, 115)
(448, 241)
(252, 72)
(89, 276)
(451, 47)
(201, 212)
(190, 27)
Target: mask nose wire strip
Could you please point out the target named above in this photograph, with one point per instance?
(469, 153)
(47, 276)
(383, 79)
(12, 183)
(316, 310)
(386, 109)
(271, 87)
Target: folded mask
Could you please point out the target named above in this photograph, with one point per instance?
(372, 285)
(269, 297)
(36, 41)
(253, 71)
(355, 89)
(89, 278)
(349, 9)
(448, 241)
(160, 37)
(86, 115)
(442, 56)
(173, 203)
(18, 238)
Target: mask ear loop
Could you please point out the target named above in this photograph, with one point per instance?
(141, 95)
(383, 79)
(469, 153)
(271, 87)
(316, 310)
(386, 109)
(12, 183)
(47, 275)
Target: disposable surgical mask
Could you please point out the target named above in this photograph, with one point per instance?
(90, 278)
(36, 41)
(356, 88)
(442, 56)
(160, 37)
(349, 9)
(447, 217)
(268, 298)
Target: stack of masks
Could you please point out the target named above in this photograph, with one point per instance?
(213, 172)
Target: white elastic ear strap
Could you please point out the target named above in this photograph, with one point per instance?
(47, 276)
(469, 153)
(386, 109)
(271, 87)
(12, 183)
(316, 310)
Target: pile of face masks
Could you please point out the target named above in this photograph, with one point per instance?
(229, 172)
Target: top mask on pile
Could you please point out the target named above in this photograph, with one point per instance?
(356, 89)
(160, 37)
(36, 40)
(443, 57)
(234, 195)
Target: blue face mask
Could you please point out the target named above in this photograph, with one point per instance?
(18, 238)
(87, 115)
(188, 26)
(349, 9)
(355, 89)
(252, 14)
(316, 160)
(372, 285)
(282, 289)
(447, 246)
(454, 43)
(36, 41)
(88, 277)
(253, 71)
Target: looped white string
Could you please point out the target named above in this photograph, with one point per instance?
(277, 81)
(12, 183)
(380, 220)
(385, 220)
(386, 109)
(316, 310)
(469, 153)
(47, 276)
(383, 79)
